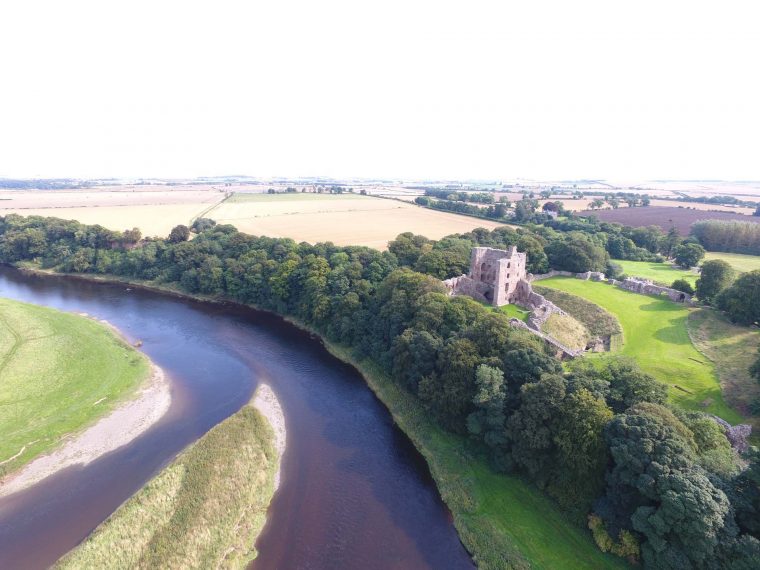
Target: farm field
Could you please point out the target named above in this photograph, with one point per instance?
(733, 349)
(664, 273)
(681, 218)
(45, 391)
(739, 262)
(344, 219)
(655, 334)
(204, 510)
(152, 220)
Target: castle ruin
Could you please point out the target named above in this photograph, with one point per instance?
(494, 275)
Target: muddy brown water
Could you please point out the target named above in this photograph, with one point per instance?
(354, 494)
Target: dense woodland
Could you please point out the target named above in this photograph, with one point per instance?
(661, 485)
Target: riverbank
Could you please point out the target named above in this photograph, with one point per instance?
(118, 428)
(205, 509)
(62, 375)
(503, 521)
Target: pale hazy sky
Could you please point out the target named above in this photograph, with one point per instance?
(411, 89)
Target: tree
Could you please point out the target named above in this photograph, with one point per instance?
(688, 255)
(682, 285)
(754, 370)
(582, 452)
(715, 276)
(577, 253)
(408, 248)
(671, 241)
(487, 422)
(741, 301)
(179, 233)
(202, 224)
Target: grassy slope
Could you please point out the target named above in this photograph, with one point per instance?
(598, 321)
(46, 391)
(202, 511)
(663, 273)
(567, 330)
(738, 261)
(655, 335)
(733, 349)
(502, 520)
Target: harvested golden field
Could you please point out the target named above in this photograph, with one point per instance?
(152, 220)
(345, 219)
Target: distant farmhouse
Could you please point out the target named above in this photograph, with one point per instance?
(494, 276)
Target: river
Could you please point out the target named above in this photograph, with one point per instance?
(354, 493)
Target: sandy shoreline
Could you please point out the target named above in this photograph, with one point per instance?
(266, 402)
(115, 430)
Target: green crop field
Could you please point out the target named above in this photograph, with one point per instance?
(655, 334)
(203, 511)
(663, 273)
(58, 373)
(738, 261)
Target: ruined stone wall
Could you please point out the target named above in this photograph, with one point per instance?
(646, 287)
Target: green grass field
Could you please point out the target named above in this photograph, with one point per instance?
(655, 334)
(733, 349)
(205, 510)
(514, 312)
(663, 273)
(503, 521)
(59, 372)
(739, 262)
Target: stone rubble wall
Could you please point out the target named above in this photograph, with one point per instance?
(562, 350)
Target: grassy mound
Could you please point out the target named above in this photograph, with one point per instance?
(597, 321)
(503, 521)
(203, 511)
(654, 330)
(59, 372)
(567, 330)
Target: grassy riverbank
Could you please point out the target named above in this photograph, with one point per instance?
(503, 521)
(59, 373)
(202, 511)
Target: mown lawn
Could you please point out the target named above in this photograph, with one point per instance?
(655, 334)
(502, 520)
(59, 372)
(514, 312)
(739, 262)
(663, 273)
(205, 510)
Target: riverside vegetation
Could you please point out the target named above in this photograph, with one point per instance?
(662, 483)
(202, 511)
(45, 392)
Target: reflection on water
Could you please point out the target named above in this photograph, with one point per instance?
(354, 493)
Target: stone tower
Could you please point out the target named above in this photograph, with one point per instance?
(494, 275)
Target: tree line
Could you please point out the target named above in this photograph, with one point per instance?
(662, 485)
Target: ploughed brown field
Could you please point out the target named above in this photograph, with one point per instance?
(681, 218)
